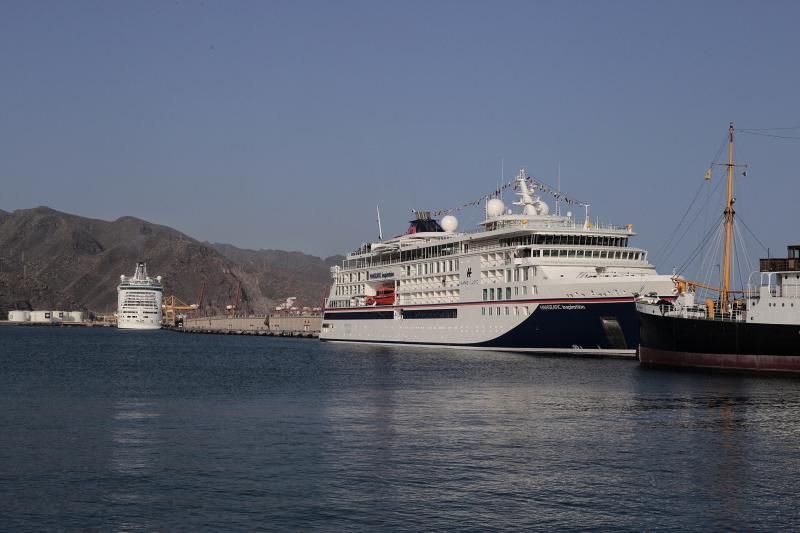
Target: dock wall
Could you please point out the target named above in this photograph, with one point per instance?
(276, 325)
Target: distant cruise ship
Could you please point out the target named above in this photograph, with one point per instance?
(139, 300)
(528, 281)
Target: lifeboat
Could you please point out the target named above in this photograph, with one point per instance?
(384, 296)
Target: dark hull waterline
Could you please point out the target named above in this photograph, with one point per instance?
(709, 344)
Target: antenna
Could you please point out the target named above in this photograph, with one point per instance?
(502, 177)
(558, 198)
(380, 229)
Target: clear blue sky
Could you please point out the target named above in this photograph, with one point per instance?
(282, 124)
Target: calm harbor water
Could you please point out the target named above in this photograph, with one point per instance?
(114, 430)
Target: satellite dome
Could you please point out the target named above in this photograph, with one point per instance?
(449, 223)
(542, 207)
(495, 207)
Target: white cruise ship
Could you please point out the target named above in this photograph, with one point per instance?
(139, 300)
(526, 281)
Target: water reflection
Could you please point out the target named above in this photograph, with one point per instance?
(133, 451)
(133, 437)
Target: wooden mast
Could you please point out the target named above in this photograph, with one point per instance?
(729, 212)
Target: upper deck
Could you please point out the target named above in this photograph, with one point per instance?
(789, 264)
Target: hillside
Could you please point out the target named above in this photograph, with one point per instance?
(279, 274)
(50, 259)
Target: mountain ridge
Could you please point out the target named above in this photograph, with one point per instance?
(56, 260)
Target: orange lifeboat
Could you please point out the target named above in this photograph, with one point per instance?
(384, 296)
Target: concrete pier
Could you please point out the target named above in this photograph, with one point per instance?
(278, 325)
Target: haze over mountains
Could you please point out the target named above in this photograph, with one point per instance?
(55, 260)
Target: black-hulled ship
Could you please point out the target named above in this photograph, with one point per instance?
(757, 329)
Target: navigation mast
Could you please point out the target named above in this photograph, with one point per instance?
(729, 212)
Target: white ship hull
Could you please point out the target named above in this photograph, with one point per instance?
(139, 323)
(576, 316)
(139, 301)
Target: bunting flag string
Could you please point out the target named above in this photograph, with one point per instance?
(531, 182)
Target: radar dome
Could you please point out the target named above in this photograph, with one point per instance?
(495, 207)
(542, 207)
(449, 223)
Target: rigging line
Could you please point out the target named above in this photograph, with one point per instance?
(678, 227)
(667, 243)
(742, 246)
(769, 129)
(769, 135)
(708, 261)
(712, 258)
(703, 242)
(714, 227)
(721, 148)
(736, 255)
(689, 226)
(739, 219)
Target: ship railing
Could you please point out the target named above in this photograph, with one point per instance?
(362, 253)
(556, 224)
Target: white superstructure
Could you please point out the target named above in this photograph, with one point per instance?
(139, 300)
(528, 281)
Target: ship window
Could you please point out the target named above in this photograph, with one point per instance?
(498, 311)
(491, 294)
(516, 291)
(485, 294)
(508, 293)
(507, 312)
(524, 289)
(490, 311)
(483, 311)
(499, 294)
(562, 253)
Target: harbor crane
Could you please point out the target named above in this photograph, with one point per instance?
(171, 304)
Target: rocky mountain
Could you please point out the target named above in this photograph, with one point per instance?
(278, 275)
(50, 259)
